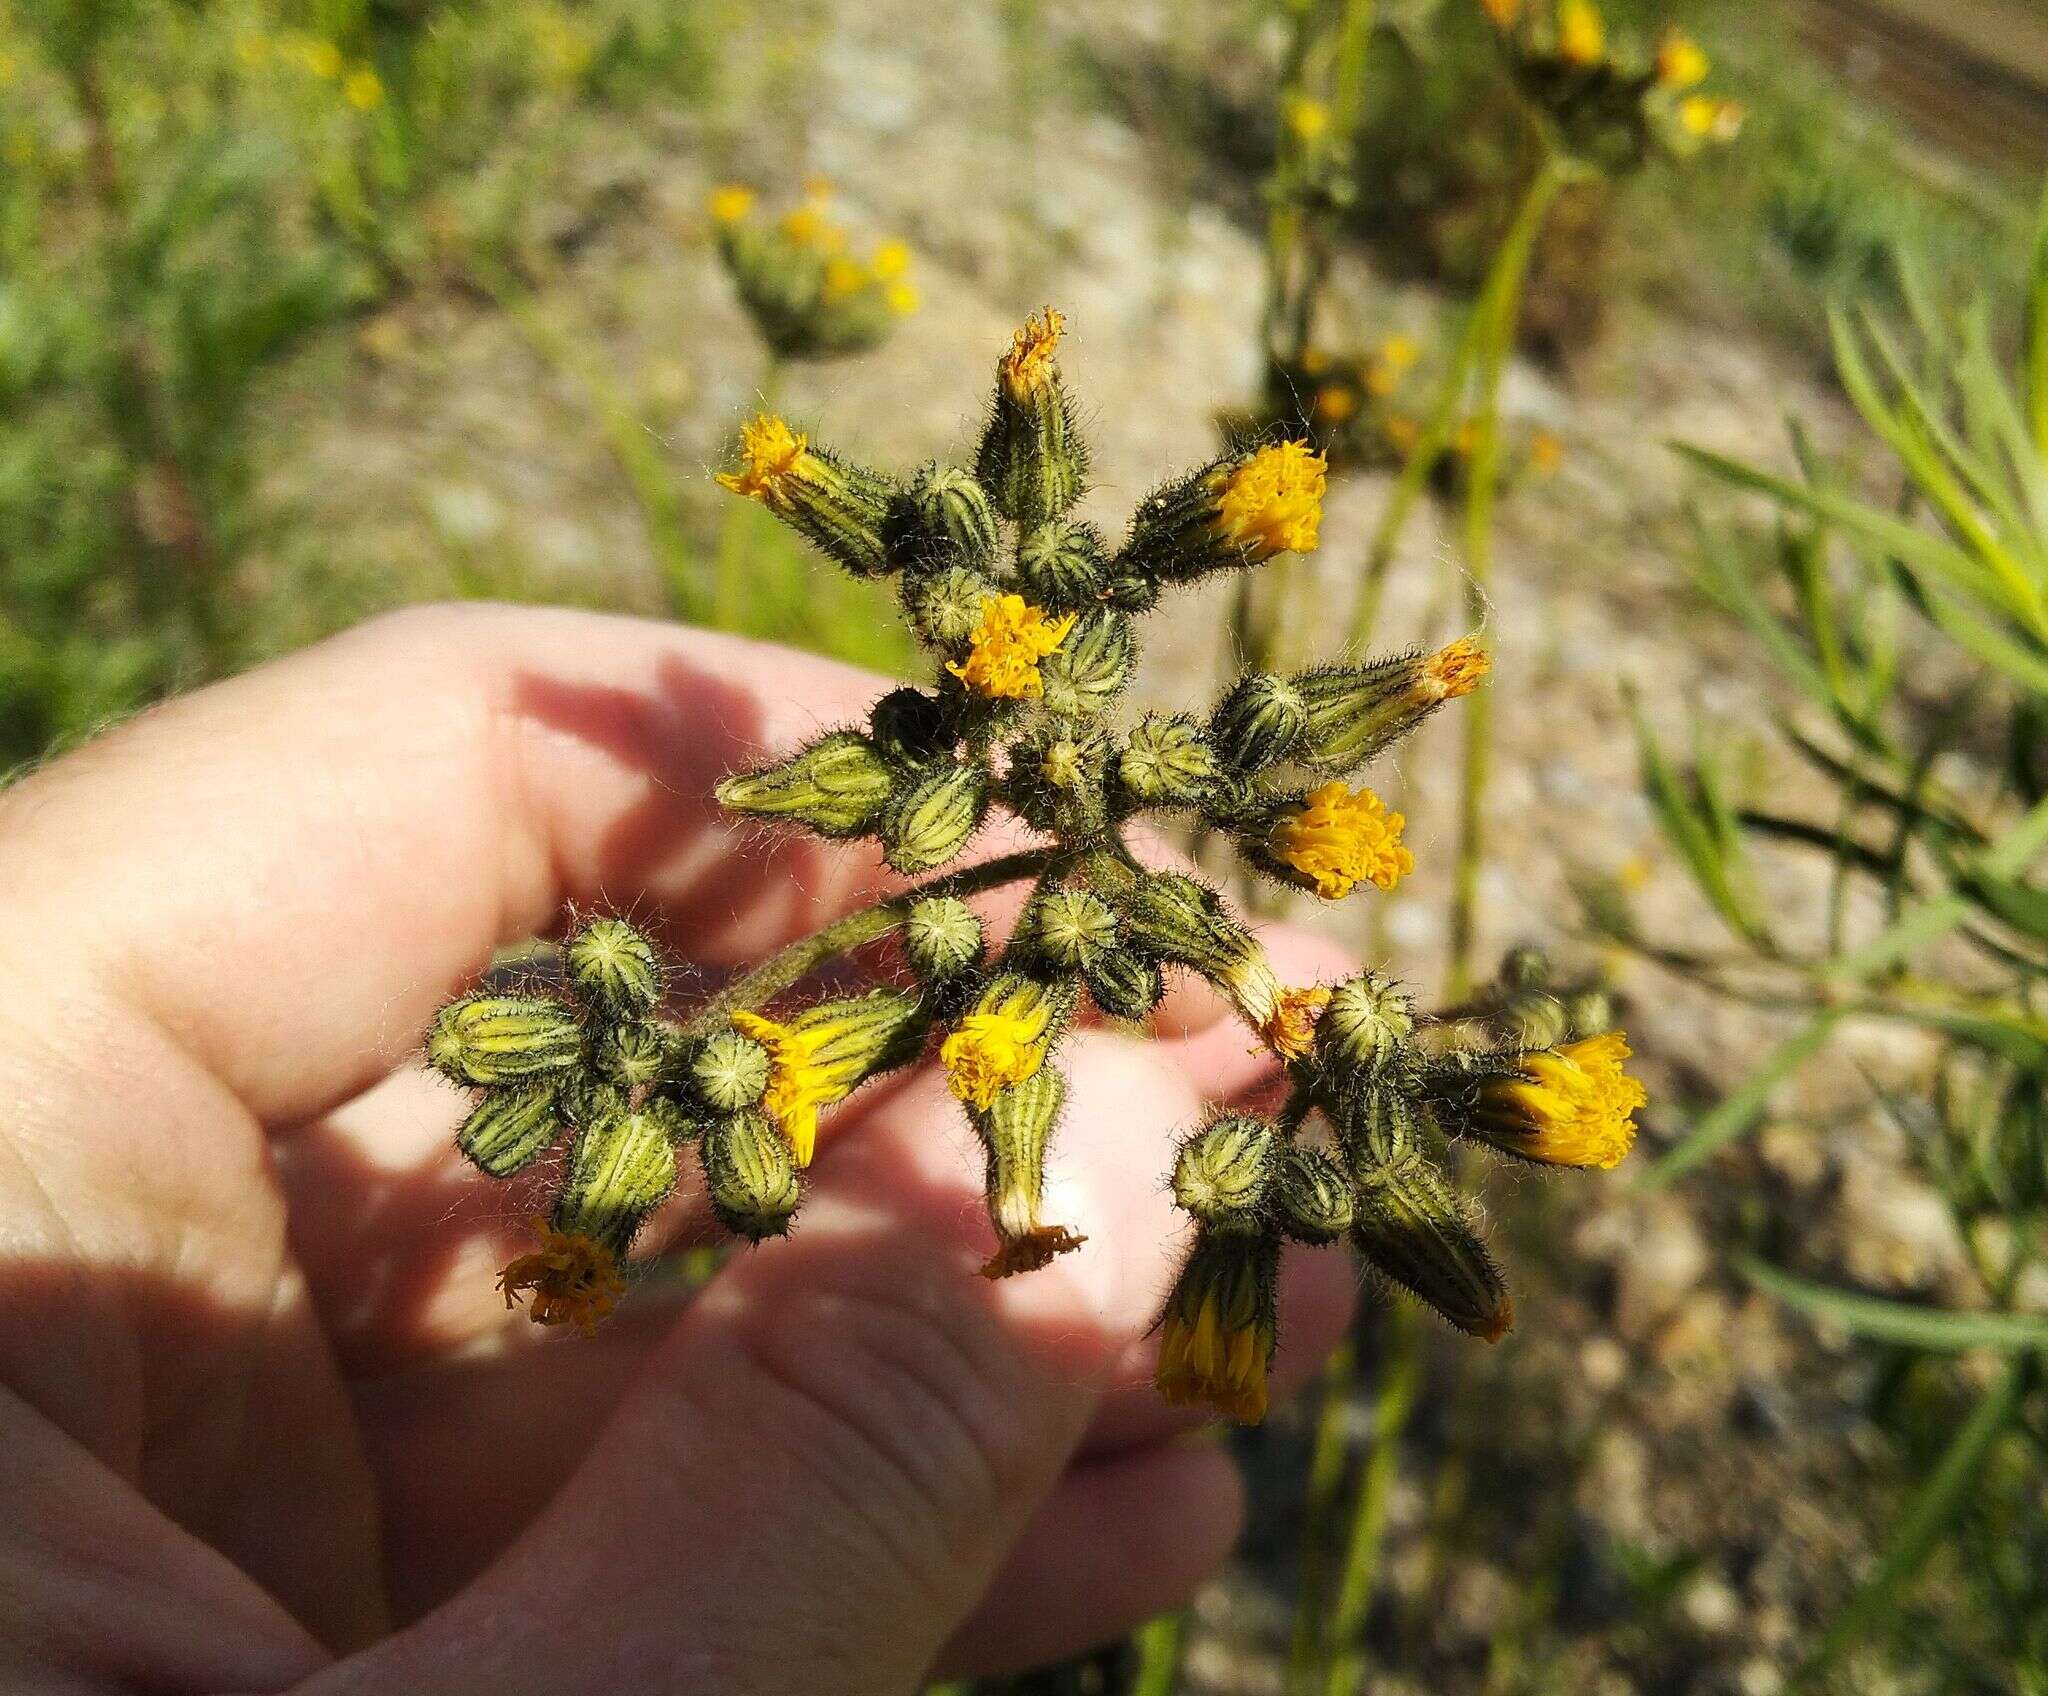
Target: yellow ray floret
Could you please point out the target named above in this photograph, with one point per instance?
(1681, 61)
(797, 1085)
(1217, 1337)
(891, 261)
(774, 454)
(1453, 671)
(1581, 34)
(1338, 839)
(1572, 1106)
(1028, 366)
(1709, 118)
(993, 1049)
(572, 1279)
(1290, 1031)
(1273, 502)
(1005, 647)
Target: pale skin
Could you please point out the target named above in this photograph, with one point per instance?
(265, 1424)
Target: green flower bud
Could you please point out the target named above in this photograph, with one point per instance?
(1236, 511)
(1015, 1129)
(614, 969)
(910, 727)
(1167, 763)
(932, 819)
(502, 1039)
(944, 519)
(1419, 1232)
(838, 785)
(621, 1167)
(1259, 722)
(588, 1096)
(942, 938)
(1032, 457)
(842, 509)
(1125, 985)
(729, 1072)
(510, 1128)
(1311, 1196)
(1365, 1031)
(1354, 712)
(1090, 668)
(1181, 920)
(631, 1055)
(1054, 779)
(751, 1175)
(1072, 928)
(945, 606)
(1217, 1335)
(1063, 566)
(1225, 1172)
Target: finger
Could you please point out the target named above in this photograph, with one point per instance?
(1119, 1541)
(875, 1423)
(311, 856)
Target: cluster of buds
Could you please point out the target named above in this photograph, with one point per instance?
(1610, 103)
(1029, 614)
(808, 293)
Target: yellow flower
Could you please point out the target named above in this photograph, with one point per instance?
(573, 1279)
(1218, 1333)
(1002, 1042)
(1273, 501)
(806, 226)
(1307, 118)
(1337, 839)
(322, 58)
(891, 261)
(1581, 35)
(1546, 453)
(1028, 366)
(1396, 355)
(1314, 361)
(1335, 402)
(774, 455)
(797, 1086)
(1291, 1030)
(363, 89)
(902, 299)
(1006, 646)
(1452, 672)
(730, 203)
(1712, 119)
(1681, 61)
(1571, 1106)
(843, 277)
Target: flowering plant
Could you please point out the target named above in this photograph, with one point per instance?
(1031, 618)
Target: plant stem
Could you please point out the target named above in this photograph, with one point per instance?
(803, 957)
(1159, 1644)
(1325, 1481)
(1499, 310)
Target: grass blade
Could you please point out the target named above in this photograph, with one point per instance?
(1900, 1321)
(1737, 1113)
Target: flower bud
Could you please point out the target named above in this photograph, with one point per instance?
(945, 606)
(1072, 928)
(1354, 712)
(510, 1128)
(1239, 510)
(932, 819)
(1063, 566)
(1032, 457)
(1418, 1231)
(1567, 1106)
(1225, 1172)
(614, 969)
(1217, 1334)
(729, 1071)
(1015, 1129)
(631, 1055)
(1312, 1199)
(1259, 722)
(944, 519)
(837, 786)
(1167, 763)
(621, 1167)
(910, 727)
(1185, 922)
(1091, 667)
(1125, 985)
(823, 1054)
(587, 1095)
(750, 1174)
(1054, 780)
(840, 508)
(942, 938)
(501, 1039)
(1005, 1036)
(1365, 1031)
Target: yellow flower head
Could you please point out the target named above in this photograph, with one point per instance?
(843, 277)
(1028, 366)
(573, 1280)
(1307, 118)
(1681, 61)
(363, 89)
(901, 299)
(1546, 453)
(1711, 119)
(1273, 502)
(891, 261)
(1006, 646)
(806, 226)
(731, 203)
(1335, 402)
(322, 58)
(1291, 1030)
(797, 1086)
(1581, 33)
(1002, 1042)
(774, 455)
(1395, 357)
(1336, 840)
(1453, 671)
(1571, 1106)
(1218, 1333)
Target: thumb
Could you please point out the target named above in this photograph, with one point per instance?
(827, 1460)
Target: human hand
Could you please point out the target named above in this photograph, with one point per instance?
(265, 1423)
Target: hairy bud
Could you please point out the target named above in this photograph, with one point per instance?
(932, 819)
(621, 1167)
(1015, 1129)
(1063, 566)
(729, 1071)
(751, 1175)
(943, 939)
(614, 968)
(1167, 762)
(1311, 1198)
(1259, 722)
(910, 727)
(1355, 712)
(510, 1128)
(1418, 1231)
(945, 606)
(502, 1039)
(1364, 1032)
(1183, 921)
(631, 1054)
(945, 518)
(1072, 928)
(1125, 985)
(840, 508)
(838, 786)
(1032, 457)
(1091, 667)
(1225, 1173)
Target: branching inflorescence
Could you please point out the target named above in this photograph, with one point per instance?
(1031, 617)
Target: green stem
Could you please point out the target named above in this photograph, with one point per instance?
(1325, 1482)
(1159, 1643)
(1499, 310)
(803, 957)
